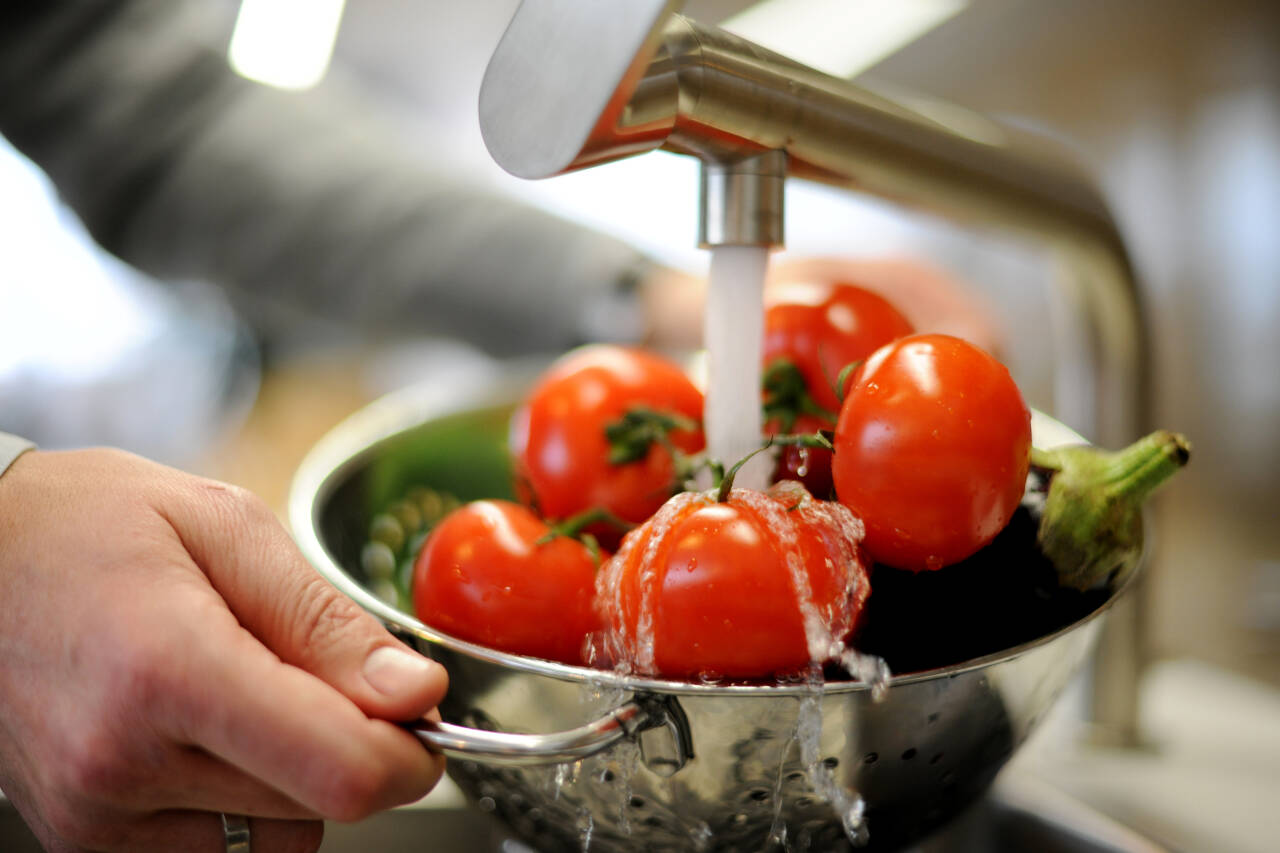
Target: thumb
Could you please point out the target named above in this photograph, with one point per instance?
(290, 608)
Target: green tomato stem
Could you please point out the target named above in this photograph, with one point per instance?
(786, 395)
(726, 483)
(803, 439)
(573, 526)
(639, 428)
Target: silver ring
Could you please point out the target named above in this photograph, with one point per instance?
(235, 829)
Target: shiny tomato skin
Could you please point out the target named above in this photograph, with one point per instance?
(711, 584)
(557, 436)
(482, 576)
(932, 450)
(822, 327)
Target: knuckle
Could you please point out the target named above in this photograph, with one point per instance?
(91, 767)
(235, 504)
(323, 616)
(100, 759)
(74, 830)
(138, 672)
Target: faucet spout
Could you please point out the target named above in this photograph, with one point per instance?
(741, 202)
(575, 84)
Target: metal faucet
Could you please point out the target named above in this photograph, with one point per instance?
(573, 85)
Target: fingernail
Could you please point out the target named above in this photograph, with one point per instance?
(393, 671)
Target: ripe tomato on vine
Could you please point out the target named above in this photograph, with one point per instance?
(932, 449)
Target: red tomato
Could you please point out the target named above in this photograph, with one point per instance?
(821, 328)
(558, 436)
(482, 576)
(932, 450)
(717, 588)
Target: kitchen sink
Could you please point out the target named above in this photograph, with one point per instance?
(1036, 819)
(996, 824)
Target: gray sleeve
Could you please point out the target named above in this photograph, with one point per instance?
(11, 447)
(185, 170)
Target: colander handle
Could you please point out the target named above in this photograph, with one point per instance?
(489, 747)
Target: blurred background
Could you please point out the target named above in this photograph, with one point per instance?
(1173, 104)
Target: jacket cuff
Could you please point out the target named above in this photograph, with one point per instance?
(11, 447)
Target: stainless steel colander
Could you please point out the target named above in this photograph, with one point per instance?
(573, 758)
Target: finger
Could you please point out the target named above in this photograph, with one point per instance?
(199, 832)
(198, 781)
(287, 728)
(285, 603)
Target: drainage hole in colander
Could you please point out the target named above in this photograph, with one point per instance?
(759, 794)
(607, 776)
(637, 802)
(871, 758)
(936, 758)
(486, 804)
(909, 754)
(654, 821)
(795, 776)
(933, 718)
(831, 762)
(804, 802)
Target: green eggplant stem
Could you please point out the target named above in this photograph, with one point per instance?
(1091, 529)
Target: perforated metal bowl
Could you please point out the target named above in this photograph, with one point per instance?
(655, 764)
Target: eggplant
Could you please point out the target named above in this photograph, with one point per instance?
(1076, 536)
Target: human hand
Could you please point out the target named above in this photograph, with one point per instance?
(168, 654)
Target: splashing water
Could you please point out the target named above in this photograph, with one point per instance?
(847, 803)
(867, 668)
(586, 828)
(824, 632)
(566, 775)
(733, 422)
(634, 652)
(734, 335)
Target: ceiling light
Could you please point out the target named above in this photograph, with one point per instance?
(840, 37)
(285, 43)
